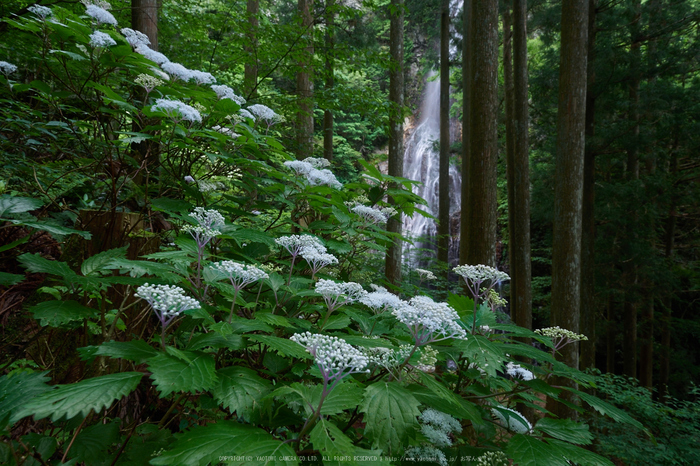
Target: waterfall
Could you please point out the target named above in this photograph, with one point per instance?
(421, 163)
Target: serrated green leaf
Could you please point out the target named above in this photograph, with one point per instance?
(344, 396)
(141, 268)
(268, 453)
(480, 351)
(390, 413)
(239, 390)
(578, 455)
(213, 340)
(437, 388)
(99, 262)
(17, 205)
(91, 444)
(337, 322)
(136, 350)
(18, 388)
(512, 420)
(282, 346)
(42, 444)
(245, 235)
(55, 313)
(34, 263)
(565, 429)
(81, 397)
(53, 229)
(465, 410)
(522, 349)
(606, 409)
(525, 450)
(9, 279)
(272, 319)
(204, 445)
(330, 441)
(171, 374)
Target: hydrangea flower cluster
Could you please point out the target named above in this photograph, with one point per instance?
(429, 321)
(135, 38)
(334, 357)
(338, 294)
(239, 274)
(493, 458)
(42, 12)
(514, 370)
(437, 427)
(177, 110)
(209, 224)
(317, 259)
(480, 273)
(148, 82)
(425, 274)
(246, 114)
(167, 301)
(149, 53)
(264, 113)
(380, 300)
(227, 131)
(427, 360)
(425, 453)
(101, 39)
(225, 92)
(314, 176)
(296, 244)
(97, 10)
(7, 68)
(561, 333)
(512, 420)
(317, 162)
(370, 214)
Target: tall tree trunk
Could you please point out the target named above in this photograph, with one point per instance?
(444, 168)
(396, 97)
(481, 208)
(305, 116)
(467, 39)
(588, 301)
(568, 191)
(510, 137)
(250, 72)
(144, 18)
(330, 81)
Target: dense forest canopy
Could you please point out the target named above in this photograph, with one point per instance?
(203, 258)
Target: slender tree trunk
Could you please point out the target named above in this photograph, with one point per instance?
(444, 168)
(510, 139)
(396, 97)
(144, 18)
(250, 73)
(568, 191)
(610, 336)
(588, 301)
(330, 81)
(466, 123)
(481, 208)
(305, 116)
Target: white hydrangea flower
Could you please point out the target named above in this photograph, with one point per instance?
(429, 321)
(323, 177)
(561, 333)
(101, 39)
(425, 274)
(493, 458)
(335, 358)
(246, 114)
(177, 110)
(227, 131)
(167, 301)
(225, 92)
(41, 11)
(425, 453)
(7, 68)
(317, 260)
(338, 294)
(149, 53)
(380, 300)
(158, 72)
(264, 112)
(295, 244)
(202, 77)
(177, 70)
(239, 274)
(135, 38)
(514, 422)
(370, 214)
(300, 167)
(209, 218)
(480, 273)
(148, 82)
(101, 15)
(427, 360)
(437, 427)
(514, 370)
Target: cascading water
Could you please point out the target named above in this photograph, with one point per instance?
(421, 163)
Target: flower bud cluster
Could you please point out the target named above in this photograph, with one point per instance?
(429, 321)
(208, 218)
(148, 82)
(335, 358)
(437, 427)
(370, 214)
(425, 454)
(495, 299)
(493, 458)
(101, 39)
(338, 294)
(167, 301)
(386, 357)
(514, 370)
(480, 273)
(41, 11)
(318, 260)
(296, 244)
(239, 274)
(556, 333)
(380, 300)
(427, 360)
(425, 274)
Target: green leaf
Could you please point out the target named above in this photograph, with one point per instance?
(44, 445)
(52, 228)
(605, 408)
(99, 263)
(525, 450)
(9, 279)
(465, 410)
(239, 390)
(565, 429)
(331, 441)
(245, 235)
(34, 263)
(214, 442)
(136, 350)
(141, 268)
(273, 319)
(480, 351)
(437, 388)
(81, 397)
(213, 340)
(390, 413)
(17, 205)
(344, 396)
(171, 374)
(18, 388)
(578, 455)
(91, 444)
(282, 346)
(56, 313)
